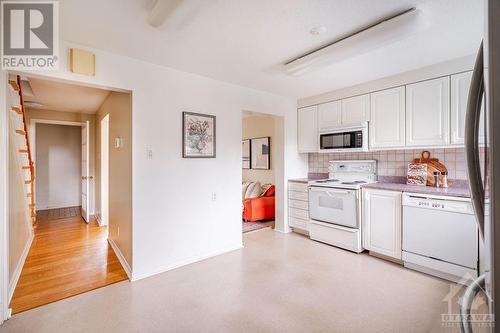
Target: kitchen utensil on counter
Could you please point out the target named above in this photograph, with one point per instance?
(433, 165)
(416, 174)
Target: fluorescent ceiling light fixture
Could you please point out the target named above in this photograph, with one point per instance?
(378, 34)
(161, 10)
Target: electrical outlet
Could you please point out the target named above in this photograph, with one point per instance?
(149, 153)
(214, 196)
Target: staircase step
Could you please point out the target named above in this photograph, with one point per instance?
(32, 206)
(17, 109)
(21, 132)
(29, 195)
(25, 167)
(14, 85)
(29, 181)
(24, 151)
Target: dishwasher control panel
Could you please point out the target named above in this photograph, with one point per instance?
(451, 204)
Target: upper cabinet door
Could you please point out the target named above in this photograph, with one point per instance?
(387, 118)
(307, 125)
(355, 110)
(460, 84)
(428, 113)
(329, 115)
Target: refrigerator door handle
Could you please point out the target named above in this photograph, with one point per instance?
(465, 306)
(472, 122)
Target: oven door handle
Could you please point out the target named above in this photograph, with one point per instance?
(329, 191)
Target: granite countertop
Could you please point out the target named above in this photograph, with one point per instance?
(457, 188)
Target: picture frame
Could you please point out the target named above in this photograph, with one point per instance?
(260, 152)
(246, 153)
(198, 135)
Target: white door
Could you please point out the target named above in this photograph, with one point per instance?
(356, 110)
(387, 118)
(85, 173)
(105, 170)
(329, 115)
(308, 129)
(382, 222)
(460, 84)
(428, 113)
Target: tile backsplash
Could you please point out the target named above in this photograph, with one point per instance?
(395, 162)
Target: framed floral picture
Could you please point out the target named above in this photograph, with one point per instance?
(261, 153)
(198, 135)
(246, 153)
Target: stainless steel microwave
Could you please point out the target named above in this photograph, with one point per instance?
(345, 139)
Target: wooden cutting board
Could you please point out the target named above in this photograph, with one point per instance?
(433, 164)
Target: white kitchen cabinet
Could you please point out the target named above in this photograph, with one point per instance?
(460, 84)
(329, 115)
(428, 113)
(382, 215)
(307, 124)
(387, 118)
(355, 110)
(298, 206)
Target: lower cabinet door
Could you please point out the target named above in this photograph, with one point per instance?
(382, 214)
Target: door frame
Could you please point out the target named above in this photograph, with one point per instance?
(4, 164)
(104, 171)
(32, 131)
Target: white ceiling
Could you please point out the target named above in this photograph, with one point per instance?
(243, 41)
(58, 96)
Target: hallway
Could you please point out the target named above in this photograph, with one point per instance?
(68, 257)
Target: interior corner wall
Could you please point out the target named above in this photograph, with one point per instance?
(257, 127)
(58, 166)
(70, 117)
(119, 107)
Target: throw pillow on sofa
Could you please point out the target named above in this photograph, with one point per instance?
(253, 190)
(244, 188)
(270, 191)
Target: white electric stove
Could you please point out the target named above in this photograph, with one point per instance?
(335, 203)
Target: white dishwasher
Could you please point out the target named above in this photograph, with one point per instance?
(440, 236)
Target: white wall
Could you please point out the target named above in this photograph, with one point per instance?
(175, 220)
(58, 166)
(257, 127)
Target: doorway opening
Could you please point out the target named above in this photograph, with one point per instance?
(75, 236)
(258, 174)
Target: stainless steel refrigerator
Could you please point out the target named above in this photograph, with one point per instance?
(483, 164)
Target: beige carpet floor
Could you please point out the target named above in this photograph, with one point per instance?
(276, 283)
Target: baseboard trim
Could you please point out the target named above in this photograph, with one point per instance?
(19, 266)
(121, 258)
(193, 260)
(98, 219)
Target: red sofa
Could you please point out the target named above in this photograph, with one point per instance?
(261, 208)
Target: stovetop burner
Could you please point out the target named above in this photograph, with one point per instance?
(354, 182)
(327, 181)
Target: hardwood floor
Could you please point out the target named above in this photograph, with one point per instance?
(67, 257)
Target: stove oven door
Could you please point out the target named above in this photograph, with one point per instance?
(333, 205)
